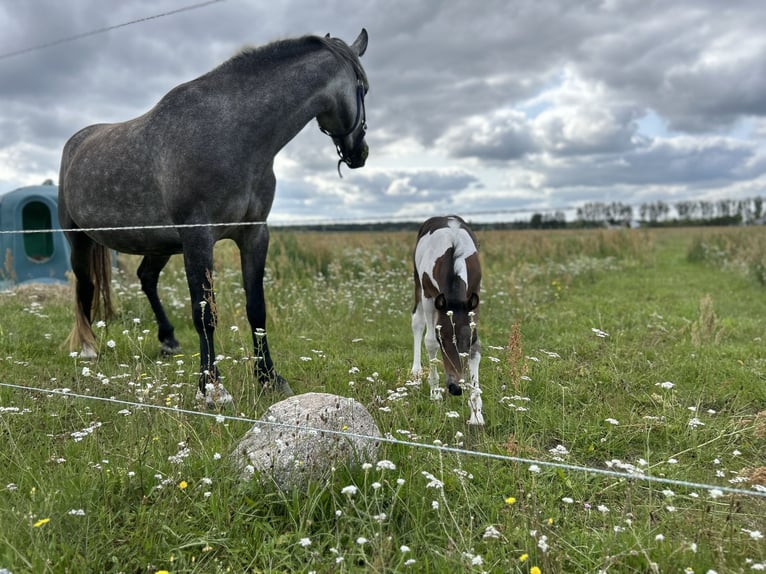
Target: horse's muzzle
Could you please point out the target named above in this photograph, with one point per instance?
(359, 158)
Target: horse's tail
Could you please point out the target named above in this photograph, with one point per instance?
(100, 268)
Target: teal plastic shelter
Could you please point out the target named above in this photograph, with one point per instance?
(41, 257)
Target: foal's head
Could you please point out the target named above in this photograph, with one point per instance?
(456, 332)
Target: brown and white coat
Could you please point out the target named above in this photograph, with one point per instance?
(447, 285)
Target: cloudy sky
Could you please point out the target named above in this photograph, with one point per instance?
(492, 107)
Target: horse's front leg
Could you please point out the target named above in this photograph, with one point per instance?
(253, 247)
(198, 261)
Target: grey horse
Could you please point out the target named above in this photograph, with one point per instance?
(197, 168)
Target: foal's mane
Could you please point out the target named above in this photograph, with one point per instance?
(263, 57)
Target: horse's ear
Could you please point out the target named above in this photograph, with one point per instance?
(440, 302)
(473, 301)
(327, 35)
(360, 44)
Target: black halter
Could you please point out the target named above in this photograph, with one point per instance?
(361, 118)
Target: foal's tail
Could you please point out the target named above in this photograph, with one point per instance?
(100, 270)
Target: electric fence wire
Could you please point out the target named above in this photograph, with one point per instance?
(714, 491)
(105, 29)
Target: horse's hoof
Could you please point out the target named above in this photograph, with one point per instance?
(88, 353)
(454, 389)
(170, 348)
(279, 385)
(215, 397)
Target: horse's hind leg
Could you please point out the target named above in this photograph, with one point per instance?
(149, 275)
(82, 338)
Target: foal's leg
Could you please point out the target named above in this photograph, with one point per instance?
(474, 398)
(198, 261)
(432, 348)
(253, 247)
(149, 274)
(418, 326)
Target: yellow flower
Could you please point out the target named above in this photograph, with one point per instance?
(510, 500)
(162, 572)
(183, 484)
(40, 522)
(523, 557)
(535, 570)
(550, 521)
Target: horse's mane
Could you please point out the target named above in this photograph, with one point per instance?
(263, 57)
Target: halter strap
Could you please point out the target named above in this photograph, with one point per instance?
(360, 113)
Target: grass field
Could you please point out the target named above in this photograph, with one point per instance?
(637, 351)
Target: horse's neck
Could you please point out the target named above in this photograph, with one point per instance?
(290, 98)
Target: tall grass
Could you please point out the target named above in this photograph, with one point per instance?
(607, 349)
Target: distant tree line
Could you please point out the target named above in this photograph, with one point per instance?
(597, 214)
(661, 213)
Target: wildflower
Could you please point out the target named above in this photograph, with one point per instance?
(599, 332)
(410, 562)
(216, 456)
(659, 537)
(523, 557)
(305, 542)
(602, 508)
(40, 522)
(433, 481)
(715, 493)
(491, 532)
(695, 422)
(510, 500)
(435, 504)
(349, 490)
(183, 484)
(361, 540)
(366, 466)
(542, 543)
(534, 468)
(535, 570)
(754, 534)
(567, 500)
(404, 549)
(612, 421)
(667, 385)
(111, 344)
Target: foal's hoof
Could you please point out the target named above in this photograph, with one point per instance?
(454, 389)
(215, 396)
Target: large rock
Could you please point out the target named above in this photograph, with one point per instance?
(286, 445)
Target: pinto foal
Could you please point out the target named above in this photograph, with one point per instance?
(447, 285)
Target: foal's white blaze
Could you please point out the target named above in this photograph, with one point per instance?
(429, 249)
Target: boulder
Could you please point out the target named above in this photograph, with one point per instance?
(286, 445)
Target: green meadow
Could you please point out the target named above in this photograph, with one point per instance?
(642, 352)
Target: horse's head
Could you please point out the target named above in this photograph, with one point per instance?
(456, 328)
(346, 121)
